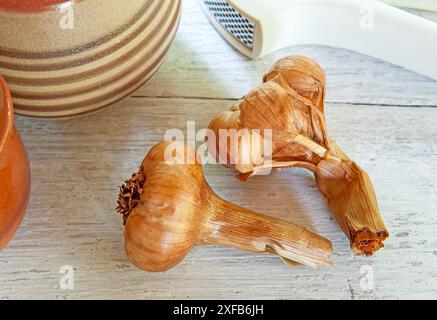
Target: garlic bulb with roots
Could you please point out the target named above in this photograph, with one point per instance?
(169, 208)
(290, 103)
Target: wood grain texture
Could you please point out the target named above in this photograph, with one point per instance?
(372, 111)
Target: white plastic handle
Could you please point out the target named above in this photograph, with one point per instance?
(429, 5)
(367, 26)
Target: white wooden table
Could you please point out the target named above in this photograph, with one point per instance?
(384, 117)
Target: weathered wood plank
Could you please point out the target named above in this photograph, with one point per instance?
(77, 165)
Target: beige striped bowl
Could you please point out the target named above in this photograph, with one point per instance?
(79, 56)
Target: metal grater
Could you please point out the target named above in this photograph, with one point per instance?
(234, 22)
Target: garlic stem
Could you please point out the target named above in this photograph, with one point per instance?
(233, 226)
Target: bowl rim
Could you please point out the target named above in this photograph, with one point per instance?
(7, 112)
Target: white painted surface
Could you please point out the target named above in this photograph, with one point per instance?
(383, 116)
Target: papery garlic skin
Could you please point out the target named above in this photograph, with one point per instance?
(157, 235)
(304, 75)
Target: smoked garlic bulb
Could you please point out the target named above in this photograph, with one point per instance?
(169, 208)
(290, 103)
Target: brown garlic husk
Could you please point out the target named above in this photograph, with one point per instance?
(177, 211)
(304, 75)
(290, 102)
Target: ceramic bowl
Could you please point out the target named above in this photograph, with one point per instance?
(63, 58)
(14, 170)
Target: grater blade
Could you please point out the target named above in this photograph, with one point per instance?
(236, 24)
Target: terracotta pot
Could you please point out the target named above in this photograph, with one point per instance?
(63, 58)
(14, 170)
